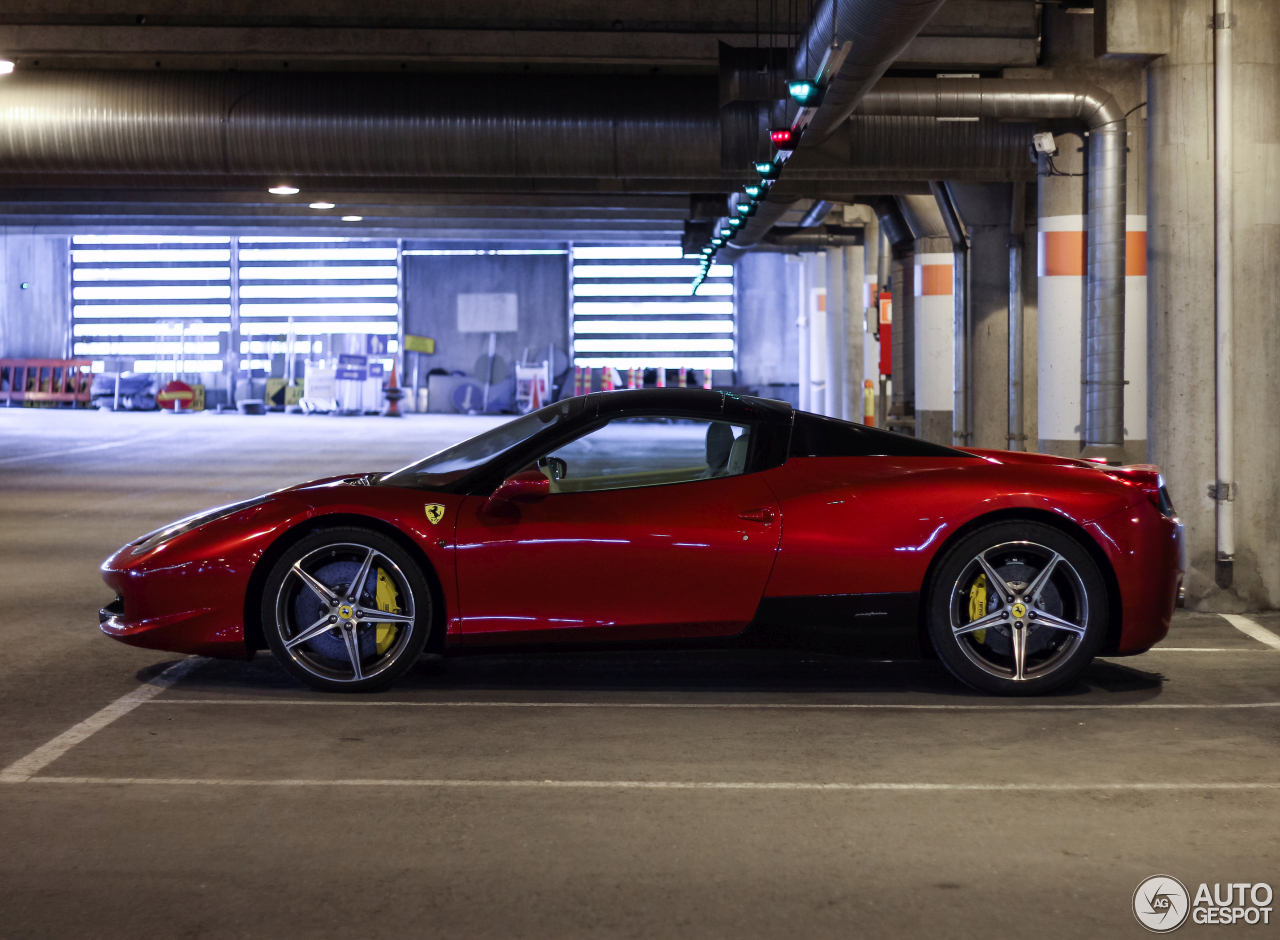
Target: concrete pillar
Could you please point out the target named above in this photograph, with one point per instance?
(984, 209)
(1135, 296)
(837, 334)
(1061, 268)
(870, 308)
(855, 331)
(1181, 300)
(902, 289)
(816, 266)
(801, 308)
(766, 351)
(35, 309)
(1030, 328)
(934, 339)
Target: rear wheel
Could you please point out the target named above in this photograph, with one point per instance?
(1017, 608)
(346, 610)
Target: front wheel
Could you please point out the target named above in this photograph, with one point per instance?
(1017, 608)
(346, 610)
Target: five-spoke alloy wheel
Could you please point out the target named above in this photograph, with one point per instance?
(1017, 608)
(346, 610)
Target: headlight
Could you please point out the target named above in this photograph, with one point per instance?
(160, 536)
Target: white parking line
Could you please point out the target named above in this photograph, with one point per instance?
(878, 706)
(1202, 649)
(1255, 630)
(21, 771)
(649, 784)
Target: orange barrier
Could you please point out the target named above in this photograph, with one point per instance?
(44, 380)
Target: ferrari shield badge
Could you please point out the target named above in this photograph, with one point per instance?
(435, 512)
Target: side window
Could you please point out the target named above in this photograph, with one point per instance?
(648, 451)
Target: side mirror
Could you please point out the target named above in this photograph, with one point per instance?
(527, 487)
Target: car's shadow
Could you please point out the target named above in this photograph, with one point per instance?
(723, 673)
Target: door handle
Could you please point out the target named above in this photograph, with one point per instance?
(764, 516)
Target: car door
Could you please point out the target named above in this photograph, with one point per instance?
(653, 529)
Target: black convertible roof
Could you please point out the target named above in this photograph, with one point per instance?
(692, 401)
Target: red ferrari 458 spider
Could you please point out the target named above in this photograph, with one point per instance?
(673, 516)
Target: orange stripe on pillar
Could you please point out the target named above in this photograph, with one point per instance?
(935, 279)
(1065, 253)
(1135, 254)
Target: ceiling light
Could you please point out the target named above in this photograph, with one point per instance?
(5, 66)
(283, 190)
(806, 92)
(352, 218)
(783, 138)
(323, 205)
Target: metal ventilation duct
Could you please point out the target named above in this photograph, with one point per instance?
(1097, 110)
(1030, 101)
(878, 31)
(359, 125)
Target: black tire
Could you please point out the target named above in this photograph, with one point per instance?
(360, 652)
(1062, 621)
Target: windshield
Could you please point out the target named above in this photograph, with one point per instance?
(453, 463)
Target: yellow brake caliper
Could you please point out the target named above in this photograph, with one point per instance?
(389, 600)
(977, 604)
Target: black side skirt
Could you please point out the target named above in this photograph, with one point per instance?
(877, 626)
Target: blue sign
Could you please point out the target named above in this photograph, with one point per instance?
(347, 359)
(351, 375)
(377, 370)
(375, 345)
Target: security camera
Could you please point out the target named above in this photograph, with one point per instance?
(1045, 143)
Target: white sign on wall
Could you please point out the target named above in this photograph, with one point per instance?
(487, 313)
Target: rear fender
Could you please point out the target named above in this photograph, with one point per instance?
(1115, 607)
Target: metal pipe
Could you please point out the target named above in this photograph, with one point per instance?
(817, 212)
(879, 31)
(1017, 229)
(1005, 99)
(893, 228)
(886, 251)
(827, 236)
(961, 432)
(1223, 289)
(883, 268)
(292, 126)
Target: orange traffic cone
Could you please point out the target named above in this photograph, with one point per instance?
(394, 394)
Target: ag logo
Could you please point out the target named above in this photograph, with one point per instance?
(435, 512)
(1161, 903)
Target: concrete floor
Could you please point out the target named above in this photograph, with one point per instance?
(492, 830)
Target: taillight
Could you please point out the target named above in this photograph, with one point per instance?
(1149, 480)
(1163, 502)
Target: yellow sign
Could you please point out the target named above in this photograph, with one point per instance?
(1018, 610)
(435, 512)
(419, 344)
